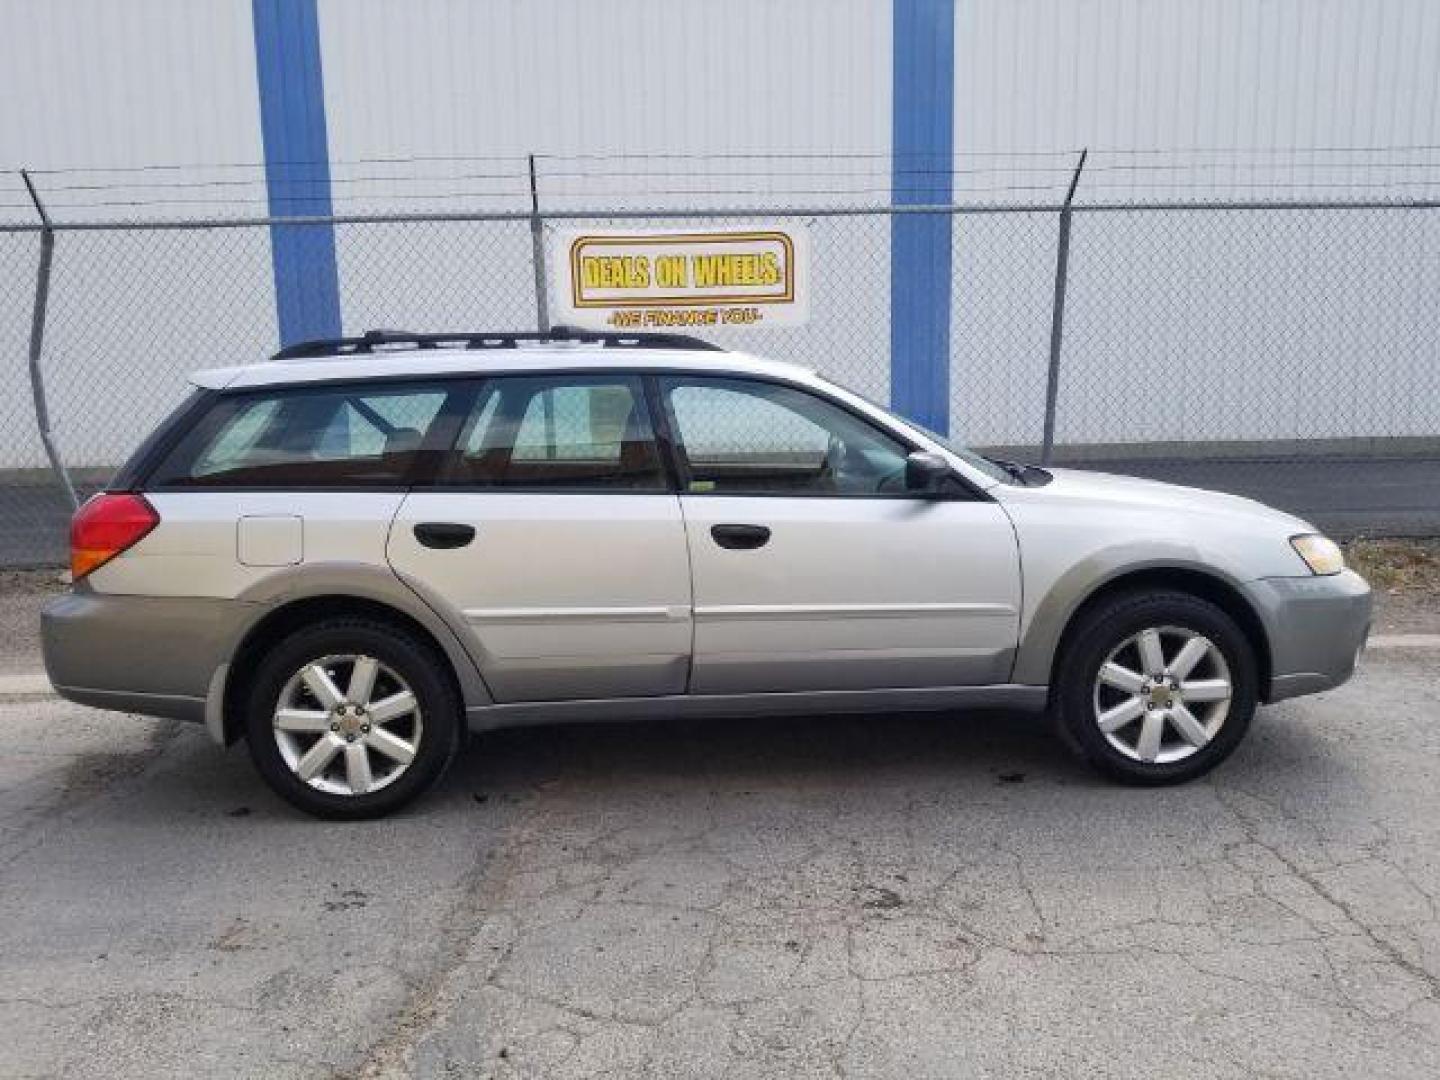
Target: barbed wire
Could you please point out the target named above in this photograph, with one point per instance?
(631, 178)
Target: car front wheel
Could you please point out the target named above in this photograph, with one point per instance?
(1155, 687)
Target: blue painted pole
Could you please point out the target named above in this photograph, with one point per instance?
(923, 101)
(297, 167)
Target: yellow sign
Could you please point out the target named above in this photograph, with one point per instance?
(646, 281)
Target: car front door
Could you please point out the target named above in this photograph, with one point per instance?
(812, 566)
(554, 530)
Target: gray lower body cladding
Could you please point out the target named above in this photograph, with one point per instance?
(1316, 628)
(159, 656)
(150, 655)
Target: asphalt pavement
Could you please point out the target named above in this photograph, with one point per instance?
(892, 896)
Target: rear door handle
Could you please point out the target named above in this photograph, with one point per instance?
(740, 537)
(444, 534)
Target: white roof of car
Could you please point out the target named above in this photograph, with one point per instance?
(525, 358)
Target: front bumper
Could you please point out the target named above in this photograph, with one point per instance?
(1316, 628)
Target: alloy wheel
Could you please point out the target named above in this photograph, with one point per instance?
(349, 741)
(1162, 694)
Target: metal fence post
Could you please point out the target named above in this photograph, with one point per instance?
(537, 252)
(37, 340)
(1057, 314)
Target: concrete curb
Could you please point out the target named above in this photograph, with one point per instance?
(25, 684)
(32, 683)
(1404, 641)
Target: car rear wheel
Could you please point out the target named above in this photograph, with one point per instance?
(352, 718)
(1155, 687)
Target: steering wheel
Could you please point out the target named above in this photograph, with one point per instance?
(892, 481)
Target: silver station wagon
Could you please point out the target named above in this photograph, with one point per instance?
(352, 554)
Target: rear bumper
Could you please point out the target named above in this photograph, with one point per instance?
(156, 656)
(1316, 628)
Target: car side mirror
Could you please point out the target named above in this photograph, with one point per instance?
(926, 472)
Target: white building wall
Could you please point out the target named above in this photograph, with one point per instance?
(1175, 74)
(101, 85)
(434, 103)
(97, 95)
(628, 104)
(1228, 327)
(628, 76)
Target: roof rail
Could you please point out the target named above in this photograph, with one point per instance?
(394, 340)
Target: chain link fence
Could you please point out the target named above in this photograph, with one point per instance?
(1285, 352)
(1289, 355)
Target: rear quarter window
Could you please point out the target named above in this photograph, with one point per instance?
(357, 436)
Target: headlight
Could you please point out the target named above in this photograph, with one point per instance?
(1321, 554)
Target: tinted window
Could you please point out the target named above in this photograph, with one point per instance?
(326, 437)
(734, 436)
(562, 432)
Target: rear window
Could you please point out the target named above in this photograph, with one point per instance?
(361, 436)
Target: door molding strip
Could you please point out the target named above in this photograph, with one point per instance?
(725, 612)
(659, 613)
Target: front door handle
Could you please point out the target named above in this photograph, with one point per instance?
(740, 537)
(444, 534)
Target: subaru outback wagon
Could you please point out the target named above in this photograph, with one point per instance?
(351, 554)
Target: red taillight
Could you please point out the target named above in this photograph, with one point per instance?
(105, 526)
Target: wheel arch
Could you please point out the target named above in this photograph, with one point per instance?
(1055, 618)
(293, 600)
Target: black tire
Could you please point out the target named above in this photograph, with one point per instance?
(1104, 626)
(411, 658)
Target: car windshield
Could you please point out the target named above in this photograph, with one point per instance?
(975, 460)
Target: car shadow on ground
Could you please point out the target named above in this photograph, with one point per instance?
(837, 760)
(843, 756)
(511, 764)
(835, 750)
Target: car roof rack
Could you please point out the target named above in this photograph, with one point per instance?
(397, 340)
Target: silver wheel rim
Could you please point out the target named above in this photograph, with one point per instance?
(349, 741)
(1162, 694)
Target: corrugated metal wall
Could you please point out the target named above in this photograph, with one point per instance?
(133, 95)
(467, 91)
(1050, 74)
(96, 83)
(434, 103)
(571, 76)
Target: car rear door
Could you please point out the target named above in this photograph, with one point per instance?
(553, 529)
(812, 567)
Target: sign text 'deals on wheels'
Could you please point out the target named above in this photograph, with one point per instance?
(656, 281)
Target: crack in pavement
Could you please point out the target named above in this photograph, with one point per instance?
(835, 899)
(426, 1005)
(1385, 947)
(741, 880)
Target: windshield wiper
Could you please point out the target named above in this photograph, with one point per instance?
(1017, 472)
(1024, 475)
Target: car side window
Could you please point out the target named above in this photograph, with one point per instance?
(747, 437)
(573, 432)
(293, 437)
